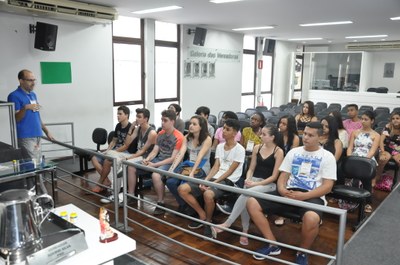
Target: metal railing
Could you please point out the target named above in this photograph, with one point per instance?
(330, 210)
(342, 214)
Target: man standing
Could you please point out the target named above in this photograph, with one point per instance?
(168, 143)
(307, 174)
(27, 115)
(353, 122)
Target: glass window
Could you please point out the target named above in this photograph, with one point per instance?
(166, 62)
(266, 75)
(166, 71)
(166, 31)
(248, 73)
(334, 71)
(127, 27)
(127, 72)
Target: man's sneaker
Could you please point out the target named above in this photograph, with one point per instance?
(208, 232)
(159, 211)
(301, 259)
(226, 209)
(110, 199)
(195, 225)
(267, 250)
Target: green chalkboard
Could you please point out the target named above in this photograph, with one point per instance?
(56, 72)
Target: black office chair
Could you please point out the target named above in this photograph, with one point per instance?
(99, 137)
(360, 168)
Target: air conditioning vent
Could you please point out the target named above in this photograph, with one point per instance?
(61, 9)
(364, 46)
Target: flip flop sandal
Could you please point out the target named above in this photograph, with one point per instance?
(280, 221)
(368, 208)
(244, 241)
(97, 189)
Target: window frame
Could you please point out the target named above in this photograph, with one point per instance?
(131, 41)
(170, 44)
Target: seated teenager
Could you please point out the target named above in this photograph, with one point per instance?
(251, 136)
(353, 122)
(307, 115)
(119, 143)
(205, 112)
(197, 144)
(329, 139)
(218, 137)
(389, 144)
(307, 174)
(364, 142)
(168, 143)
(343, 135)
(179, 123)
(288, 129)
(261, 176)
(227, 169)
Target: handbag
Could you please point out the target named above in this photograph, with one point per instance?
(186, 171)
(385, 183)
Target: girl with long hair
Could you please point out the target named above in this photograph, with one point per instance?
(365, 142)
(197, 144)
(261, 176)
(307, 115)
(330, 138)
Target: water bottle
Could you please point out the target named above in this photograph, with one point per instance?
(43, 162)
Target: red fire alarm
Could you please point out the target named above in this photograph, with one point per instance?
(260, 64)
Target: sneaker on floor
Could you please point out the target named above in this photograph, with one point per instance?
(159, 211)
(209, 232)
(225, 208)
(267, 250)
(110, 199)
(301, 259)
(195, 225)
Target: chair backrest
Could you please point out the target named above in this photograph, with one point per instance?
(261, 108)
(335, 106)
(379, 110)
(212, 118)
(99, 137)
(110, 136)
(242, 116)
(275, 110)
(250, 111)
(358, 167)
(323, 105)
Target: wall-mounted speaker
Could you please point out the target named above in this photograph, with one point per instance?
(199, 36)
(45, 36)
(269, 46)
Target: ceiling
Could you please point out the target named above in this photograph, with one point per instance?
(370, 17)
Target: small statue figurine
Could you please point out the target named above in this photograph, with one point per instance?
(106, 234)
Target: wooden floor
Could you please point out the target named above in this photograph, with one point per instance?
(154, 249)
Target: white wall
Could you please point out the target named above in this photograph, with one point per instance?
(88, 100)
(379, 59)
(222, 92)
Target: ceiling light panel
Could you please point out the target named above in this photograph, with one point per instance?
(224, 1)
(154, 10)
(326, 23)
(305, 39)
(366, 37)
(253, 28)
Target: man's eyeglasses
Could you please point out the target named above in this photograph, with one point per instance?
(30, 80)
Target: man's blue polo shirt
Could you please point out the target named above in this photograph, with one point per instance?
(30, 125)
